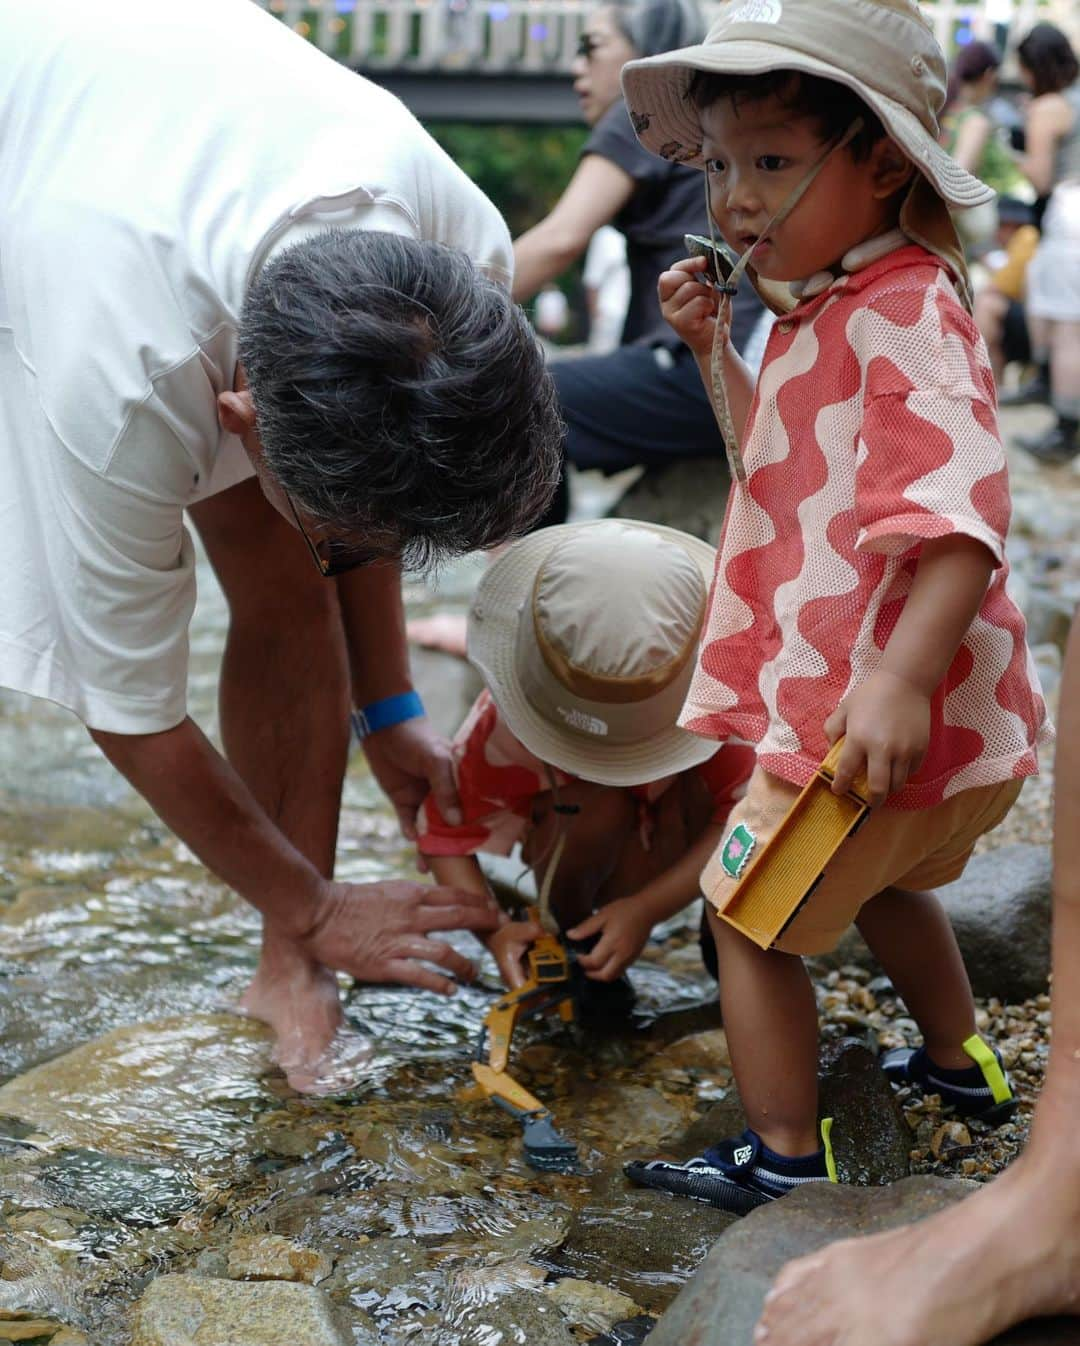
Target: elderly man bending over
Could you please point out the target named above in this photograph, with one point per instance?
(240, 282)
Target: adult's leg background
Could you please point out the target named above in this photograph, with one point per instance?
(284, 704)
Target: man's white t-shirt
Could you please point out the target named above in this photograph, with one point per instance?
(151, 159)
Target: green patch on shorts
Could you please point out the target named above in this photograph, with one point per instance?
(737, 849)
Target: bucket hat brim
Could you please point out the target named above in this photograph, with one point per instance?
(669, 125)
(502, 598)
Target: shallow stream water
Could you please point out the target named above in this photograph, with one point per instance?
(144, 1129)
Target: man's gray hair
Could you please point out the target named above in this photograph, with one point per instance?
(400, 396)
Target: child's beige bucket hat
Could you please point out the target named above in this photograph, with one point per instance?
(882, 49)
(586, 635)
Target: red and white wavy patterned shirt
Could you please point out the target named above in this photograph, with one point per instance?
(873, 428)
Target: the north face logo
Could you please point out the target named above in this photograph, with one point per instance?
(585, 724)
(755, 11)
(744, 1154)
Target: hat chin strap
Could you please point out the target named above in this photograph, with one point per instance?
(720, 401)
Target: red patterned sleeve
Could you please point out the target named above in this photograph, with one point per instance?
(725, 775)
(497, 781)
(929, 459)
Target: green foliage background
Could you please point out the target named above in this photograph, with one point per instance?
(524, 170)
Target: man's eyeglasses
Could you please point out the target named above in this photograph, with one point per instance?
(586, 45)
(331, 555)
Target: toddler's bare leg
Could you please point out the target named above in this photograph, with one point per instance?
(1010, 1252)
(910, 936)
(770, 1016)
(1065, 367)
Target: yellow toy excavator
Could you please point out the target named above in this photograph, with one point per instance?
(768, 896)
(551, 988)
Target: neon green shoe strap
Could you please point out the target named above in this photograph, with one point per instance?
(826, 1140)
(991, 1069)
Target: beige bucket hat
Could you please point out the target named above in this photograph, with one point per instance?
(586, 635)
(882, 49)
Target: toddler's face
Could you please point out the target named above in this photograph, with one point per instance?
(757, 152)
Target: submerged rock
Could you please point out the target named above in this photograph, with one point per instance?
(192, 1311)
(269, 1257)
(585, 1304)
(185, 1086)
(723, 1301)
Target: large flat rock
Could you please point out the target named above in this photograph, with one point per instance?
(722, 1303)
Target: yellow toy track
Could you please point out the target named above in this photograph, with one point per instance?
(781, 877)
(551, 988)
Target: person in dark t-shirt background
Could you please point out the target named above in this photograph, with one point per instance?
(642, 403)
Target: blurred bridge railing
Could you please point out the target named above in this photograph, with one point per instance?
(523, 47)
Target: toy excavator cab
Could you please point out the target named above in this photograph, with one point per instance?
(781, 877)
(551, 988)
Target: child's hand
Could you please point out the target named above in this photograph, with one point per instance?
(623, 928)
(887, 724)
(691, 306)
(511, 944)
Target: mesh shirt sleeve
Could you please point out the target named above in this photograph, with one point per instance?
(496, 794)
(929, 458)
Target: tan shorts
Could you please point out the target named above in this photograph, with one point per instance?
(916, 849)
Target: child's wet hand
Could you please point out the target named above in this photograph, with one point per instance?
(510, 945)
(886, 724)
(623, 929)
(690, 305)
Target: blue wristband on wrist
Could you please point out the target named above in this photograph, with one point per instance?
(386, 713)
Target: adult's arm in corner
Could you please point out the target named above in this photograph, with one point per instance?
(594, 196)
(410, 758)
(1053, 1136)
(375, 931)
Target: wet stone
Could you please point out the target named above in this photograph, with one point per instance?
(723, 1301)
(379, 1272)
(1000, 910)
(13, 1328)
(622, 1116)
(192, 1311)
(628, 1235)
(871, 1140)
(183, 1086)
(269, 1257)
(632, 1332)
(587, 1305)
(117, 1188)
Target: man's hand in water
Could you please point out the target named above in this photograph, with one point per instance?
(379, 932)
